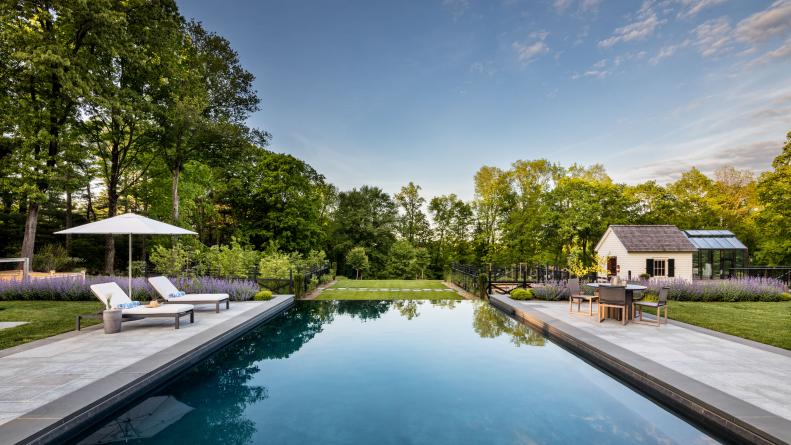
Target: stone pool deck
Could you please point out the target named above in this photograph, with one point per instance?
(52, 388)
(737, 388)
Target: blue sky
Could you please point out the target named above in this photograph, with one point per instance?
(387, 92)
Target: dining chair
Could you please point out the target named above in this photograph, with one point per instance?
(575, 295)
(613, 297)
(661, 302)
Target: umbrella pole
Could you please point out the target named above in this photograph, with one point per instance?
(130, 266)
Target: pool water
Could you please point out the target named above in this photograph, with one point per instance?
(395, 372)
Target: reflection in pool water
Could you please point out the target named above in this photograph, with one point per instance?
(391, 372)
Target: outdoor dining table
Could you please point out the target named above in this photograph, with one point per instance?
(630, 288)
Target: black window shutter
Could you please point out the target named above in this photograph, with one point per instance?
(671, 267)
(649, 267)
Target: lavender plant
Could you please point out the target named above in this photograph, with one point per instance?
(551, 290)
(733, 290)
(74, 289)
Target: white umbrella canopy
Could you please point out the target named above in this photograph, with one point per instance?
(127, 224)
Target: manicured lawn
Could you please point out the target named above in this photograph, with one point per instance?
(768, 323)
(391, 284)
(350, 293)
(46, 318)
(373, 295)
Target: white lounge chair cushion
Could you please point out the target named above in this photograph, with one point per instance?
(209, 298)
(111, 291)
(104, 291)
(165, 288)
(161, 310)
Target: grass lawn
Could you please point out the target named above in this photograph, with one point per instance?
(768, 323)
(406, 294)
(45, 319)
(391, 284)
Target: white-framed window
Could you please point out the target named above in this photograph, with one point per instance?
(660, 267)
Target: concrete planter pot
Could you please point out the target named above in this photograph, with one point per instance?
(112, 321)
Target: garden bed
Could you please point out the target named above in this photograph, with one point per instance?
(69, 289)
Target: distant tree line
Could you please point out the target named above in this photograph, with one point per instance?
(109, 107)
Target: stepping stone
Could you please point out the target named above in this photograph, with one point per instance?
(11, 324)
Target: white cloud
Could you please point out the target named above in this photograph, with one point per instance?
(527, 52)
(640, 29)
(753, 156)
(761, 26)
(713, 37)
(782, 52)
(486, 68)
(692, 7)
(589, 5)
(664, 52)
(457, 7)
(598, 70)
(583, 6)
(561, 5)
(743, 127)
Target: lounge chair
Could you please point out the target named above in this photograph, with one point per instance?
(167, 291)
(613, 297)
(575, 295)
(637, 306)
(116, 295)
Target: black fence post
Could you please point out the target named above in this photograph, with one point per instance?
(290, 281)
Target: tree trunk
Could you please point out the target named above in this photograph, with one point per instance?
(109, 255)
(68, 220)
(109, 241)
(29, 240)
(174, 194)
(89, 204)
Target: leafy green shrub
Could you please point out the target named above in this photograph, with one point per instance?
(552, 291)
(274, 264)
(233, 261)
(522, 294)
(785, 297)
(173, 261)
(53, 257)
(263, 295)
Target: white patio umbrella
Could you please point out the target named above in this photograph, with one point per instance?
(127, 224)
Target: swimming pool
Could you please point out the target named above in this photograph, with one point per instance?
(393, 372)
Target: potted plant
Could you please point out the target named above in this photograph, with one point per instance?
(111, 318)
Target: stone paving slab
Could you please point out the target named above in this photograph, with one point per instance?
(11, 324)
(41, 375)
(744, 379)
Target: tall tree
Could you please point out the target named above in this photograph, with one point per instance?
(119, 112)
(774, 189)
(51, 68)
(208, 100)
(277, 198)
(493, 196)
(365, 217)
(413, 224)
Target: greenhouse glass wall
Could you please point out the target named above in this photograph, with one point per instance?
(718, 251)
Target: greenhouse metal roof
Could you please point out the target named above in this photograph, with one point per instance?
(714, 239)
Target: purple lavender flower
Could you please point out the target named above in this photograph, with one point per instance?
(74, 289)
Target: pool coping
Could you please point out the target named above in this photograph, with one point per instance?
(71, 414)
(726, 416)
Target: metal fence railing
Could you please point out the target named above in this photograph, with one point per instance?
(782, 273)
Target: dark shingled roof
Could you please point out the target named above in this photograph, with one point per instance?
(665, 238)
